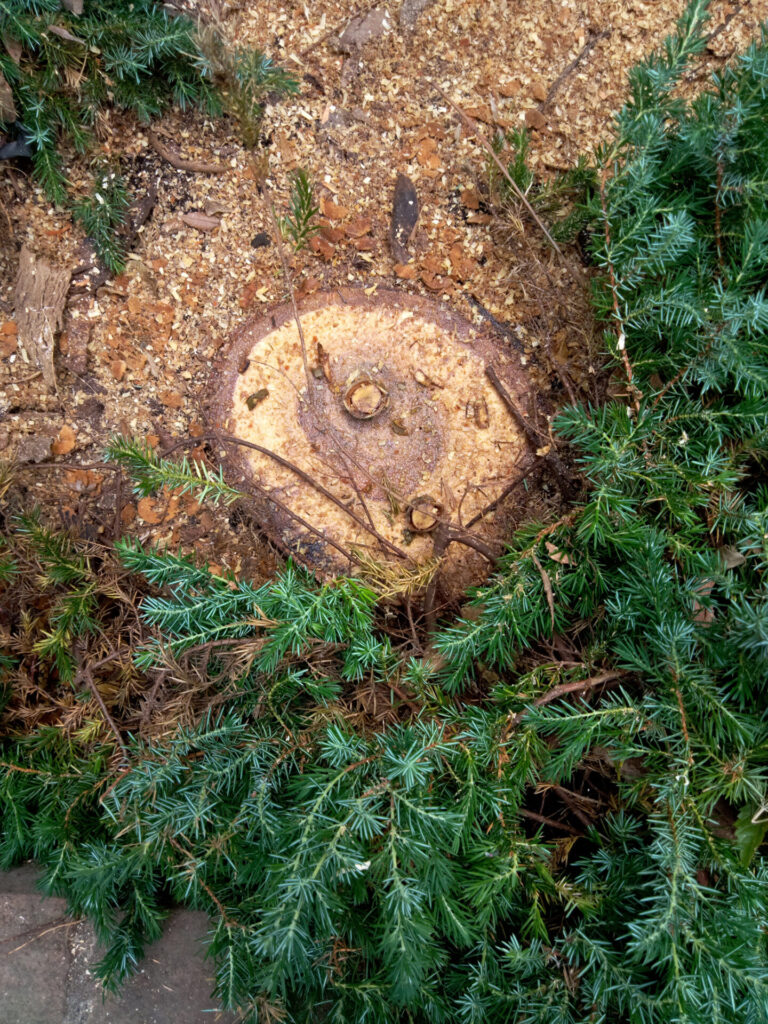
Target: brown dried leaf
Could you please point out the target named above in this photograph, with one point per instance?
(322, 247)
(65, 34)
(13, 48)
(480, 112)
(171, 399)
(407, 271)
(509, 89)
(535, 119)
(333, 235)
(333, 211)
(470, 197)
(556, 555)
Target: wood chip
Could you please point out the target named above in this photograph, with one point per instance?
(358, 228)
(65, 442)
(332, 210)
(147, 509)
(200, 221)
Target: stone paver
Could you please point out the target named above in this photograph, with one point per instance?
(34, 959)
(45, 960)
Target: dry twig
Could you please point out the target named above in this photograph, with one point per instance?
(470, 123)
(197, 166)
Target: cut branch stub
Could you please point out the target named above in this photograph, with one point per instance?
(381, 417)
(365, 398)
(424, 513)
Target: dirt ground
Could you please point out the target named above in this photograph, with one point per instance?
(138, 357)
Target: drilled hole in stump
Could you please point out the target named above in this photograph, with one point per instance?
(381, 416)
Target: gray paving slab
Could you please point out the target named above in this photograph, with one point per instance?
(34, 959)
(46, 959)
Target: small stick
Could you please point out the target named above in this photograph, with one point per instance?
(547, 821)
(84, 673)
(515, 187)
(486, 314)
(580, 56)
(721, 28)
(504, 494)
(289, 284)
(622, 338)
(532, 436)
(197, 166)
(469, 540)
(404, 697)
(561, 691)
(547, 583)
(228, 439)
(439, 545)
(64, 924)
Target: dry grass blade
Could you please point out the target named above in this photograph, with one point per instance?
(390, 581)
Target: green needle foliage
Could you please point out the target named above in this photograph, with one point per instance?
(562, 842)
(64, 69)
(561, 200)
(151, 472)
(297, 225)
(102, 213)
